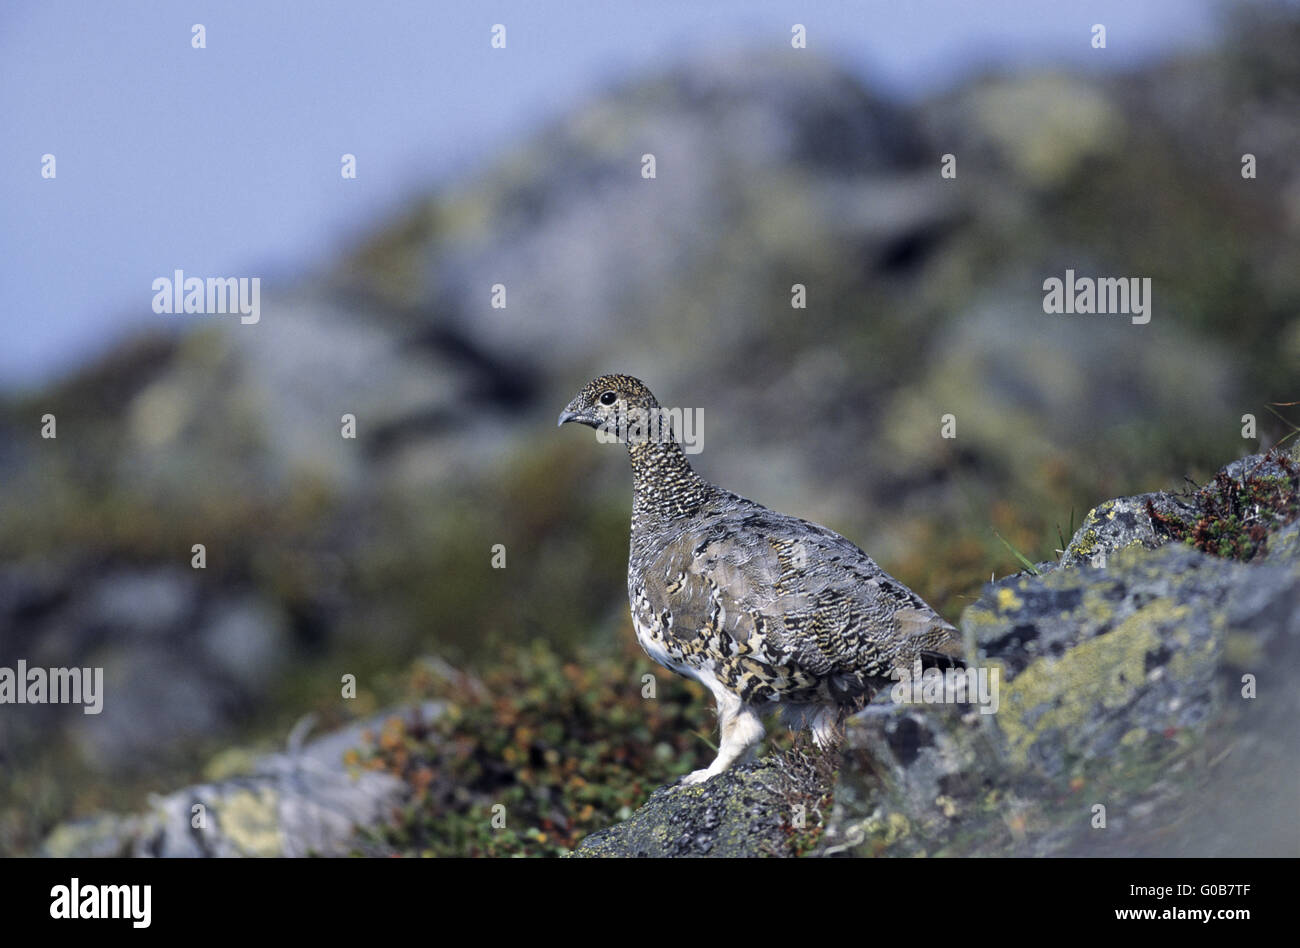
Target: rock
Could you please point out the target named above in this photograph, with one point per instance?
(1285, 543)
(142, 603)
(751, 810)
(1122, 687)
(303, 802)
(1119, 524)
(1126, 522)
(142, 626)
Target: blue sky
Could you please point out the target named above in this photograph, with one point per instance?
(225, 161)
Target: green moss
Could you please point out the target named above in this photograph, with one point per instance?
(1237, 515)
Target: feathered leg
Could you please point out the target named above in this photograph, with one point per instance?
(741, 729)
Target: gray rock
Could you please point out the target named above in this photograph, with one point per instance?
(1126, 521)
(1121, 687)
(143, 603)
(758, 809)
(303, 802)
(245, 639)
(1122, 523)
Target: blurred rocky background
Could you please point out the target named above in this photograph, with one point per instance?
(328, 556)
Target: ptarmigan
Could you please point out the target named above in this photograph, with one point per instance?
(761, 608)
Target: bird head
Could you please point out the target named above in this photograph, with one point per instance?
(612, 403)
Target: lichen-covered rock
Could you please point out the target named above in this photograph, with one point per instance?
(1152, 520)
(1122, 523)
(1086, 658)
(766, 808)
(903, 771)
(300, 803)
(1285, 544)
(1128, 722)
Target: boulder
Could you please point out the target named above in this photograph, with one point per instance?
(303, 802)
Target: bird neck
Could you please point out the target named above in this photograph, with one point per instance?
(663, 483)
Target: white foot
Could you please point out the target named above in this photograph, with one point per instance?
(741, 729)
(698, 777)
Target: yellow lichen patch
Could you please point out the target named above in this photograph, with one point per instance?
(898, 826)
(1008, 600)
(1048, 126)
(1105, 671)
(75, 839)
(1241, 650)
(1133, 737)
(1185, 660)
(1087, 543)
(232, 762)
(889, 830)
(979, 616)
(251, 821)
(1097, 608)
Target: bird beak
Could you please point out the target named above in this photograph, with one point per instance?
(574, 412)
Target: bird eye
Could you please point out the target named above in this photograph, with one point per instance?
(608, 398)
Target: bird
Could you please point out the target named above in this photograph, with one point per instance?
(767, 611)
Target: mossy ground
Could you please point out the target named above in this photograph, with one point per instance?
(538, 753)
(1237, 515)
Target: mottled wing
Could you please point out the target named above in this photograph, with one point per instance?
(791, 601)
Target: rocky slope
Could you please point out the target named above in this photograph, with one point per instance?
(1142, 709)
(329, 556)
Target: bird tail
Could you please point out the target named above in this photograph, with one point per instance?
(928, 636)
(947, 652)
